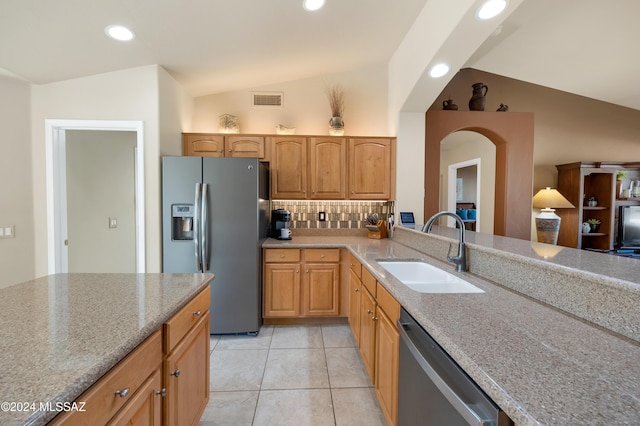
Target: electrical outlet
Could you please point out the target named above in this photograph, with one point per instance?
(322, 216)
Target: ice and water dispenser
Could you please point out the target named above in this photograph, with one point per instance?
(182, 221)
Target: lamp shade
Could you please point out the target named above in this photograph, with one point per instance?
(550, 199)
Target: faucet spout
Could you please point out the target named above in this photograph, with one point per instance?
(461, 259)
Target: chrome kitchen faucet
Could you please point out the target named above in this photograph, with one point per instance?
(461, 259)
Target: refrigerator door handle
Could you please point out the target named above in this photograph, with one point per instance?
(196, 227)
(204, 228)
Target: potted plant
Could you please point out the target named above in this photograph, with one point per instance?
(620, 174)
(594, 224)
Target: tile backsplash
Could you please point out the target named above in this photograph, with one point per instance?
(339, 214)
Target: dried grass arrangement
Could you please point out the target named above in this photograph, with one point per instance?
(335, 94)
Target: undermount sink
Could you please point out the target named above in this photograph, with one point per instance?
(426, 278)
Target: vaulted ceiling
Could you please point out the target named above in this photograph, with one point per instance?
(587, 47)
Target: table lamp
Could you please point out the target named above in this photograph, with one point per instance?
(547, 222)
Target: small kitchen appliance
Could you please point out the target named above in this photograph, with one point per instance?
(280, 218)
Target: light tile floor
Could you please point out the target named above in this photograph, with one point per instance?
(290, 375)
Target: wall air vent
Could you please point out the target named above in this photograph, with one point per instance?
(267, 99)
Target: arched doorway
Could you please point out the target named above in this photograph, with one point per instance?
(512, 134)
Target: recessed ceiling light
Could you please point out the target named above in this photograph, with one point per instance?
(491, 9)
(119, 32)
(438, 70)
(312, 5)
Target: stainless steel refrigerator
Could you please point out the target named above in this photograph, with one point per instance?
(215, 216)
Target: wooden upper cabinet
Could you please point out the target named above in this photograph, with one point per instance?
(220, 145)
(328, 168)
(203, 145)
(288, 167)
(245, 146)
(371, 168)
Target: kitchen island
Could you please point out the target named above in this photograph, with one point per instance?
(554, 338)
(61, 333)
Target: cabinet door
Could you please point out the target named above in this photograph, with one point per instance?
(203, 145)
(371, 168)
(321, 289)
(245, 146)
(281, 290)
(328, 168)
(187, 376)
(145, 408)
(368, 331)
(386, 360)
(288, 168)
(354, 304)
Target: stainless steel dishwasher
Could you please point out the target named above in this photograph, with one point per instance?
(433, 389)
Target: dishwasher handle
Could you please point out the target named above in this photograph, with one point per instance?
(460, 406)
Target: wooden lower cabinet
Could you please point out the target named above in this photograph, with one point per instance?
(373, 314)
(368, 331)
(355, 297)
(187, 376)
(145, 408)
(301, 283)
(387, 356)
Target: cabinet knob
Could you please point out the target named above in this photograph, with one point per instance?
(369, 311)
(162, 392)
(297, 271)
(197, 313)
(122, 393)
(282, 256)
(175, 373)
(322, 256)
(356, 289)
(374, 318)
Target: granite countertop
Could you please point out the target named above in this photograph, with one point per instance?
(61, 333)
(538, 363)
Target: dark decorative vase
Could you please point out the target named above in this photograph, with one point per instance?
(448, 105)
(477, 101)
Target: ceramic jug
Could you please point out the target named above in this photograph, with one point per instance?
(449, 105)
(477, 101)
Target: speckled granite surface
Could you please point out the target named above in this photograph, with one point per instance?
(539, 364)
(59, 334)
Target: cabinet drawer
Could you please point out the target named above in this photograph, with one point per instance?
(180, 324)
(388, 303)
(369, 282)
(322, 255)
(102, 402)
(282, 255)
(355, 266)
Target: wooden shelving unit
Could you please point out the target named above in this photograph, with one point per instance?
(578, 182)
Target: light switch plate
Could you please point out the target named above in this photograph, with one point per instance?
(7, 231)
(113, 222)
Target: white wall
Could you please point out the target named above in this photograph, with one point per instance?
(176, 112)
(132, 94)
(410, 165)
(305, 106)
(16, 254)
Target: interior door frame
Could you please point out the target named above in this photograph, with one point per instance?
(55, 144)
(451, 188)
